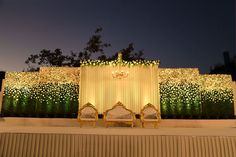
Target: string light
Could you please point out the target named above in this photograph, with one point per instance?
(186, 86)
(177, 86)
(50, 84)
(116, 63)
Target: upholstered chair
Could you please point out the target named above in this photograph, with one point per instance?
(149, 114)
(88, 114)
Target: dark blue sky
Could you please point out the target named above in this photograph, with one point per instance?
(183, 33)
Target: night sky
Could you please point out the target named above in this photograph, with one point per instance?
(180, 33)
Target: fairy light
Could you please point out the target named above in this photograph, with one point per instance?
(177, 85)
(180, 86)
(123, 63)
(50, 84)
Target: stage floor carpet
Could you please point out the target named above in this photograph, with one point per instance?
(35, 137)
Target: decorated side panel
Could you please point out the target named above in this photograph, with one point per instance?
(52, 92)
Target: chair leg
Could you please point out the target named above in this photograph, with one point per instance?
(142, 124)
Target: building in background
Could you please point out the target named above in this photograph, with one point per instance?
(229, 66)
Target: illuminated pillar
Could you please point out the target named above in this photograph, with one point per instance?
(1, 95)
(234, 92)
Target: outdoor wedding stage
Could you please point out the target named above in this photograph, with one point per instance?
(117, 108)
(27, 137)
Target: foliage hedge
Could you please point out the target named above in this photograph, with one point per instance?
(184, 100)
(187, 100)
(46, 100)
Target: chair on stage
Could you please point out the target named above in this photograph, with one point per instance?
(88, 114)
(119, 114)
(149, 114)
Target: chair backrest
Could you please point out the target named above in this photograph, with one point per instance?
(149, 111)
(119, 111)
(88, 111)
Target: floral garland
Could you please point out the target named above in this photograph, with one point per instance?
(117, 62)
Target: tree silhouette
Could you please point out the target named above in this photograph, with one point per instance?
(46, 58)
(129, 54)
(95, 45)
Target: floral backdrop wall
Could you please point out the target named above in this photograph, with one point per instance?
(54, 92)
(180, 92)
(187, 94)
(217, 96)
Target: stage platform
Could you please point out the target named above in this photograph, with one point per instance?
(35, 137)
(72, 122)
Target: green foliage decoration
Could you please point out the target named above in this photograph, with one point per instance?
(217, 96)
(54, 92)
(180, 99)
(186, 94)
(24, 96)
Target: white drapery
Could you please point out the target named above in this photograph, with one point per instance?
(98, 87)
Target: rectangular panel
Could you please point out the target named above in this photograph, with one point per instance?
(98, 87)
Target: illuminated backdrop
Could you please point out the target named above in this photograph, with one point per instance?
(58, 92)
(98, 87)
(49, 92)
(186, 93)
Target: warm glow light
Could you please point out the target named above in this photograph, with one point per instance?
(119, 62)
(49, 84)
(182, 90)
(120, 74)
(132, 86)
